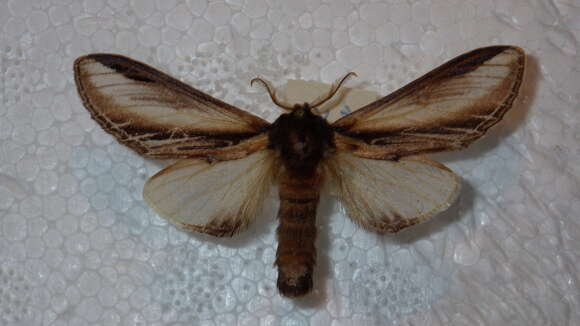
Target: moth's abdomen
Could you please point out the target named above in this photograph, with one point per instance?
(296, 253)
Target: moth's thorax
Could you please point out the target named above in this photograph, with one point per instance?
(302, 138)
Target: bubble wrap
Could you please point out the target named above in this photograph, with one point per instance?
(78, 246)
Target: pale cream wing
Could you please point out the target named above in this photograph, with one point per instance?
(155, 114)
(446, 109)
(217, 198)
(387, 196)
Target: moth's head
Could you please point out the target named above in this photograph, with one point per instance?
(300, 109)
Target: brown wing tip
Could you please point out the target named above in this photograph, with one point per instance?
(517, 49)
(513, 47)
(494, 50)
(294, 280)
(96, 57)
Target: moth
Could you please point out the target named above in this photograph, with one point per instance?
(228, 159)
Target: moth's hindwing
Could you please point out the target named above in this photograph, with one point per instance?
(387, 196)
(218, 198)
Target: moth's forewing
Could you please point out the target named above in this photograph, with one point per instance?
(386, 195)
(155, 114)
(446, 109)
(218, 198)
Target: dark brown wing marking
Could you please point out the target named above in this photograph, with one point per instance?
(446, 109)
(155, 114)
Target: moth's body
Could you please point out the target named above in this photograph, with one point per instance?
(301, 139)
(229, 158)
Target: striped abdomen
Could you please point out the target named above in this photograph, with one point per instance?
(296, 254)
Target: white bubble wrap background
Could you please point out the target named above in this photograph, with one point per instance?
(78, 246)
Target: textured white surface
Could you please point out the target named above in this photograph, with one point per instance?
(79, 246)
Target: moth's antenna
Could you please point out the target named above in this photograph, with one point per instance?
(335, 87)
(272, 93)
